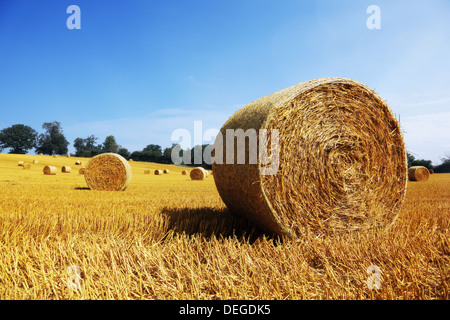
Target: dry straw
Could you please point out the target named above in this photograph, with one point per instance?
(341, 160)
(198, 173)
(82, 170)
(166, 171)
(108, 171)
(66, 169)
(50, 170)
(158, 172)
(27, 166)
(418, 173)
(146, 171)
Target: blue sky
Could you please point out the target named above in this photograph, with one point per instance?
(141, 69)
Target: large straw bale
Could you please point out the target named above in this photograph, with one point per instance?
(108, 171)
(198, 173)
(418, 173)
(338, 162)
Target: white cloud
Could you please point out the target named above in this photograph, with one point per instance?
(427, 136)
(134, 133)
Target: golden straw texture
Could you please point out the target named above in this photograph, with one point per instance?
(49, 170)
(341, 160)
(198, 174)
(418, 173)
(108, 171)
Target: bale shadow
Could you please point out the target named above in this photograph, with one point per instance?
(210, 222)
(82, 188)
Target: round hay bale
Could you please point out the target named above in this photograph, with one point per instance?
(108, 171)
(66, 169)
(184, 172)
(41, 154)
(35, 161)
(158, 172)
(431, 171)
(418, 173)
(146, 171)
(50, 170)
(78, 162)
(20, 163)
(27, 166)
(82, 170)
(67, 155)
(54, 156)
(166, 171)
(333, 159)
(198, 173)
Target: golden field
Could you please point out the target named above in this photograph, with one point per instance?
(167, 237)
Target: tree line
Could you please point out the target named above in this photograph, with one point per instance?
(20, 139)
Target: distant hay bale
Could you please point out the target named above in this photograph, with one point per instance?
(20, 163)
(41, 154)
(54, 156)
(108, 171)
(418, 173)
(66, 169)
(81, 171)
(329, 157)
(431, 171)
(198, 173)
(78, 163)
(184, 172)
(50, 170)
(27, 166)
(158, 172)
(35, 161)
(166, 171)
(67, 155)
(146, 171)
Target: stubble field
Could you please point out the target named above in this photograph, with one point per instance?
(167, 237)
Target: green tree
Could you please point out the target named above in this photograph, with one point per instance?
(86, 147)
(412, 161)
(110, 145)
(444, 166)
(20, 138)
(53, 140)
(124, 152)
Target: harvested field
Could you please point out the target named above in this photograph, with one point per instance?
(173, 238)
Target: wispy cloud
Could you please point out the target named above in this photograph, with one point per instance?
(134, 133)
(428, 136)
